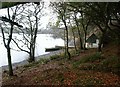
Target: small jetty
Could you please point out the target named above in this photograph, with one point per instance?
(56, 48)
(52, 49)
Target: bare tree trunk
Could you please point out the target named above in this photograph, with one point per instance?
(35, 36)
(73, 37)
(101, 41)
(7, 46)
(31, 54)
(85, 40)
(85, 31)
(100, 45)
(118, 46)
(67, 49)
(80, 39)
(33, 40)
(9, 61)
(74, 40)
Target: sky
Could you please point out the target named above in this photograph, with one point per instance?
(44, 20)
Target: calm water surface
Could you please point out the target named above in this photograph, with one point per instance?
(43, 41)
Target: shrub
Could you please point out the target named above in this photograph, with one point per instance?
(57, 56)
(54, 57)
(84, 63)
(88, 82)
(86, 59)
(74, 53)
(91, 58)
(30, 64)
(43, 61)
(111, 64)
(88, 66)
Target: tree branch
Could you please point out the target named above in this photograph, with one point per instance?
(20, 47)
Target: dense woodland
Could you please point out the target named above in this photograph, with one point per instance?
(76, 19)
(82, 15)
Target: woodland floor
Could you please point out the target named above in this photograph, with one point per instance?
(63, 72)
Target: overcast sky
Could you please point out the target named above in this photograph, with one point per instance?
(44, 20)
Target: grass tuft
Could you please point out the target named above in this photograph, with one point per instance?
(111, 64)
(91, 58)
(33, 64)
(88, 59)
(54, 57)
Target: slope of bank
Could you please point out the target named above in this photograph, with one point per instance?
(25, 62)
(89, 68)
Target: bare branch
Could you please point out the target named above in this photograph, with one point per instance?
(3, 36)
(20, 47)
